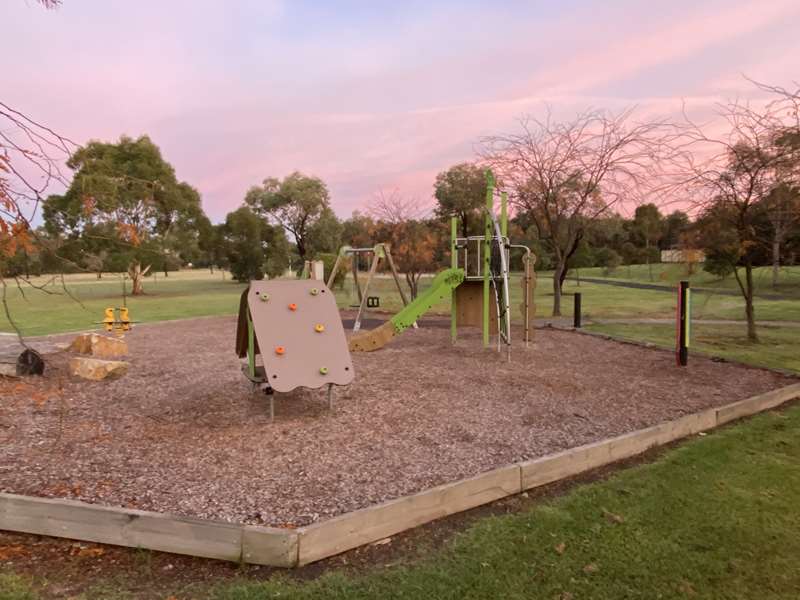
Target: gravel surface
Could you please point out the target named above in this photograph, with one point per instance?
(183, 432)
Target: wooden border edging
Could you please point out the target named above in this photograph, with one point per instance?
(143, 529)
(374, 523)
(289, 548)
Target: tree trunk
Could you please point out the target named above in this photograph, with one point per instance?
(557, 280)
(776, 260)
(647, 257)
(136, 273)
(748, 304)
(413, 284)
(99, 274)
(746, 288)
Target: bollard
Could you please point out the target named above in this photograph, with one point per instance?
(683, 324)
(576, 312)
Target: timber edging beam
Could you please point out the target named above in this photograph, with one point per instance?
(295, 547)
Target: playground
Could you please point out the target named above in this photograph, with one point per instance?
(184, 433)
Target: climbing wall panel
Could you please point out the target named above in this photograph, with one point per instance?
(300, 334)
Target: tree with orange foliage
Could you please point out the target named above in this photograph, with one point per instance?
(399, 222)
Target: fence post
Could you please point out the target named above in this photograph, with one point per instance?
(576, 312)
(683, 324)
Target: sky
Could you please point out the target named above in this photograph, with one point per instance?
(371, 95)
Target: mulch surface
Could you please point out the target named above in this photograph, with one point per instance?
(184, 433)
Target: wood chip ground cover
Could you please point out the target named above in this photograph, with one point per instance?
(183, 433)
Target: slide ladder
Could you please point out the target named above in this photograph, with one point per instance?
(441, 287)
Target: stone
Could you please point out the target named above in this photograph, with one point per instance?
(30, 362)
(97, 369)
(101, 346)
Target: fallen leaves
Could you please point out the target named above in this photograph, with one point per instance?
(613, 518)
(591, 568)
(560, 548)
(86, 551)
(9, 552)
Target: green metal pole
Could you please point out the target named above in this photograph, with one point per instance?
(487, 253)
(504, 214)
(454, 265)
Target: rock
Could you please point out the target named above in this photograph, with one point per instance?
(96, 369)
(99, 345)
(8, 370)
(30, 362)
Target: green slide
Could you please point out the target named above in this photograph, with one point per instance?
(441, 287)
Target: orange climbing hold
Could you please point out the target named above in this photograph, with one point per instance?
(293, 306)
(280, 350)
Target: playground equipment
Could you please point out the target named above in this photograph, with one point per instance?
(294, 325)
(474, 285)
(117, 320)
(379, 252)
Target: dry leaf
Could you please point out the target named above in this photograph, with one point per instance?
(560, 548)
(612, 518)
(590, 568)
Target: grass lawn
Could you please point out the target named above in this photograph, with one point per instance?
(671, 273)
(778, 347)
(199, 293)
(717, 517)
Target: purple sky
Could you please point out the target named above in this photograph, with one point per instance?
(370, 95)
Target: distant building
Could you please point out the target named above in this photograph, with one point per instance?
(675, 255)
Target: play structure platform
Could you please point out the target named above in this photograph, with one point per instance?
(292, 335)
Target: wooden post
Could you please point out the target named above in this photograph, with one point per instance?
(454, 265)
(396, 277)
(683, 324)
(333, 272)
(355, 275)
(373, 267)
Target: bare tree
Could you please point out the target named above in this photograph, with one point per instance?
(31, 155)
(736, 172)
(393, 207)
(564, 174)
(398, 221)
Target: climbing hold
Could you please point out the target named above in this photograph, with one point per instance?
(319, 327)
(280, 350)
(293, 306)
(314, 291)
(264, 297)
(323, 370)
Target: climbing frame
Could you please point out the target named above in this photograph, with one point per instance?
(299, 333)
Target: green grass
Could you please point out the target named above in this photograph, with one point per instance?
(198, 293)
(778, 347)
(80, 306)
(671, 273)
(717, 518)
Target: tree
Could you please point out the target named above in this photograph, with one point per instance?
(296, 203)
(358, 231)
(566, 174)
(737, 172)
(674, 225)
(461, 192)
(129, 190)
(254, 247)
(325, 235)
(647, 224)
(411, 241)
